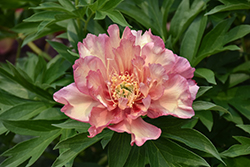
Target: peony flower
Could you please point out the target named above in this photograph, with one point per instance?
(119, 80)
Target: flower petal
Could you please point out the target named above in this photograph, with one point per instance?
(101, 118)
(77, 105)
(140, 130)
(182, 67)
(114, 36)
(176, 100)
(82, 67)
(93, 46)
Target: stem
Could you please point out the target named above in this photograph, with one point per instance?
(19, 41)
(244, 49)
(86, 23)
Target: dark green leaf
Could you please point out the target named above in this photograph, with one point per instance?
(67, 4)
(206, 117)
(30, 127)
(205, 105)
(10, 99)
(32, 149)
(119, 147)
(245, 128)
(51, 114)
(137, 157)
(73, 124)
(202, 90)
(205, 73)
(165, 153)
(43, 16)
(106, 139)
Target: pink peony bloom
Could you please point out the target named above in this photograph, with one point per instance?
(118, 80)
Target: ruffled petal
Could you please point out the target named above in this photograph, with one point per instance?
(76, 104)
(81, 69)
(140, 130)
(114, 36)
(193, 88)
(182, 67)
(156, 55)
(93, 46)
(101, 118)
(124, 55)
(176, 100)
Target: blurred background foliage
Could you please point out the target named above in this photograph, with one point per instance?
(38, 45)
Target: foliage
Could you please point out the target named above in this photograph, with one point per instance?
(212, 35)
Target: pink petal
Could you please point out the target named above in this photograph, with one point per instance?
(82, 67)
(114, 34)
(156, 55)
(77, 105)
(127, 34)
(124, 54)
(101, 118)
(176, 100)
(147, 37)
(182, 67)
(140, 130)
(193, 88)
(93, 46)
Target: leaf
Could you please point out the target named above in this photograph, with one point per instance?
(30, 127)
(32, 149)
(62, 50)
(25, 110)
(74, 146)
(202, 90)
(51, 114)
(238, 78)
(183, 16)
(237, 32)
(246, 128)
(106, 139)
(117, 17)
(238, 149)
(67, 4)
(73, 124)
(205, 105)
(50, 6)
(192, 38)
(193, 139)
(43, 16)
(206, 117)
(205, 73)
(229, 7)
(137, 157)
(166, 153)
(119, 147)
(10, 99)
(238, 161)
(73, 35)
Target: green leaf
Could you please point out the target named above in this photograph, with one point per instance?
(246, 128)
(30, 127)
(31, 149)
(202, 90)
(25, 110)
(205, 73)
(205, 105)
(43, 16)
(110, 4)
(166, 153)
(10, 99)
(229, 7)
(137, 157)
(106, 139)
(49, 6)
(73, 35)
(238, 78)
(117, 17)
(238, 149)
(206, 117)
(62, 50)
(193, 139)
(236, 33)
(192, 38)
(184, 15)
(238, 161)
(51, 114)
(74, 146)
(119, 147)
(67, 4)
(243, 67)
(73, 124)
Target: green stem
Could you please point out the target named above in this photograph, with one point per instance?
(19, 41)
(86, 23)
(244, 49)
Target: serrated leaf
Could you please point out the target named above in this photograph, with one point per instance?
(119, 147)
(30, 127)
(193, 139)
(206, 74)
(25, 110)
(74, 146)
(32, 149)
(166, 153)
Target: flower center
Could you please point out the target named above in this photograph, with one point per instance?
(124, 86)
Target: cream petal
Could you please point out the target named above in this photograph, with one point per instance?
(76, 104)
(176, 100)
(140, 130)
